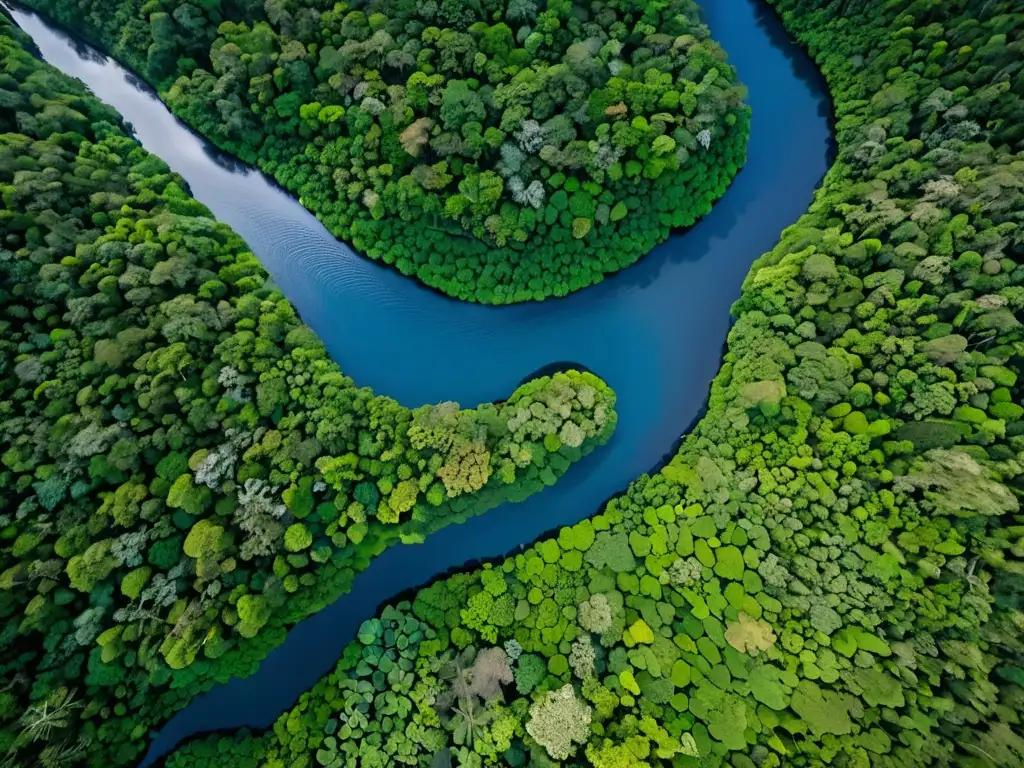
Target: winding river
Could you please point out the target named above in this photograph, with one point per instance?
(654, 332)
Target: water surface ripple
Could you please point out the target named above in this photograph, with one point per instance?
(654, 332)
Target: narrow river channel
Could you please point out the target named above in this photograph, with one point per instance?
(654, 332)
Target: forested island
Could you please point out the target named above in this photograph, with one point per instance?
(184, 472)
(498, 152)
(827, 572)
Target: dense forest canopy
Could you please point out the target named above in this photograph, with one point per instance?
(499, 152)
(830, 571)
(183, 472)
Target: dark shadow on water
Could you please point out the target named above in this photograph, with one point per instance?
(86, 52)
(552, 368)
(684, 244)
(136, 82)
(803, 67)
(221, 158)
(82, 49)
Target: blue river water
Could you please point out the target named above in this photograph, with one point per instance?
(654, 332)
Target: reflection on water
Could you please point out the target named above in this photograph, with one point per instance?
(654, 332)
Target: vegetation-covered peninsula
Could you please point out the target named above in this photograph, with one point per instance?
(829, 571)
(499, 152)
(184, 473)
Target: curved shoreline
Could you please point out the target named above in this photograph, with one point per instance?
(655, 331)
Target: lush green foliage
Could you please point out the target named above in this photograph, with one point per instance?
(184, 471)
(499, 152)
(830, 569)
